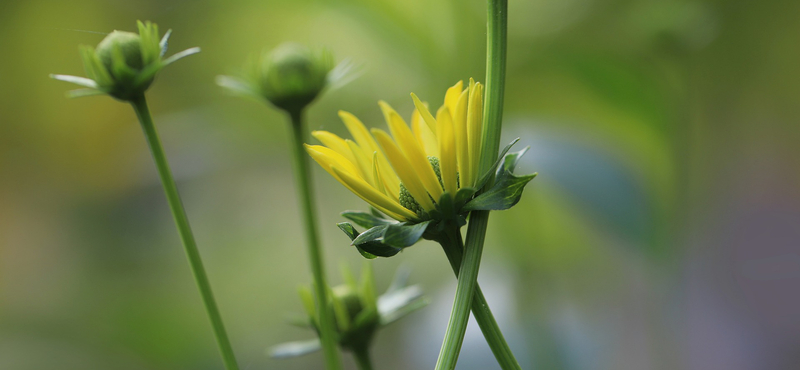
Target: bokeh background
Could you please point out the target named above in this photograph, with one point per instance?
(661, 233)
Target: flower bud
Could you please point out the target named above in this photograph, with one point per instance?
(129, 45)
(292, 75)
(124, 64)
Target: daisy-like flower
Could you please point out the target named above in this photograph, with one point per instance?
(405, 174)
(421, 174)
(124, 64)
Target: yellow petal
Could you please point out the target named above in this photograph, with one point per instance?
(474, 129)
(376, 174)
(462, 144)
(334, 142)
(331, 162)
(424, 135)
(423, 110)
(404, 170)
(374, 197)
(448, 164)
(452, 95)
(362, 162)
(412, 151)
(359, 132)
(328, 158)
(368, 144)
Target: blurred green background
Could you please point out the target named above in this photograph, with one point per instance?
(661, 233)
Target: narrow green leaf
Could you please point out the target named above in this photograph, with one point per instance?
(506, 191)
(463, 196)
(366, 220)
(404, 235)
(369, 250)
(371, 234)
(485, 178)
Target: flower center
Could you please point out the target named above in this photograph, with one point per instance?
(408, 201)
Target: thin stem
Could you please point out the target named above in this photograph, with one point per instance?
(362, 359)
(179, 214)
(459, 316)
(454, 248)
(303, 178)
(497, 21)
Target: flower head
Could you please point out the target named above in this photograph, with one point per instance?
(290, 77)
(124, 64)
(407, 171)
(357, 311)
(423, 175)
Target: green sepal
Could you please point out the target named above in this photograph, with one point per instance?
(404, 235)
(396, 304)
(507, 189)
(367, 220)
(369, 250)
(463, 196)
(373, 234)
(490, 172)
(295, 349)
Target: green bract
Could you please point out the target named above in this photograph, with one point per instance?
(358, 312)
(386, 237)
(290, 77)
(124, 64)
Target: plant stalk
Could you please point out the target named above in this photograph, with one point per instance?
(303, 178)
(182, 223)
(453, 247)
(496, 31)
(362, 359)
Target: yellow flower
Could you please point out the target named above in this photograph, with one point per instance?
(406, 174)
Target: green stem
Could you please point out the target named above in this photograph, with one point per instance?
(303, 178)
(454, 248)
(362, 359)
(179, 214)
(497, 21)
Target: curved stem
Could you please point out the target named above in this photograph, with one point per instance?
(362, 359)
(303, 177)
(496, 29)
(454, 249)
(182, 222)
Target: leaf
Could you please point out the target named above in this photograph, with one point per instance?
(396, 304)
(463, 196)
(506, 191)
(364, 219)
(485, 178)
(295, 349)
(404, 235)
(369, 250)
(372, 234)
